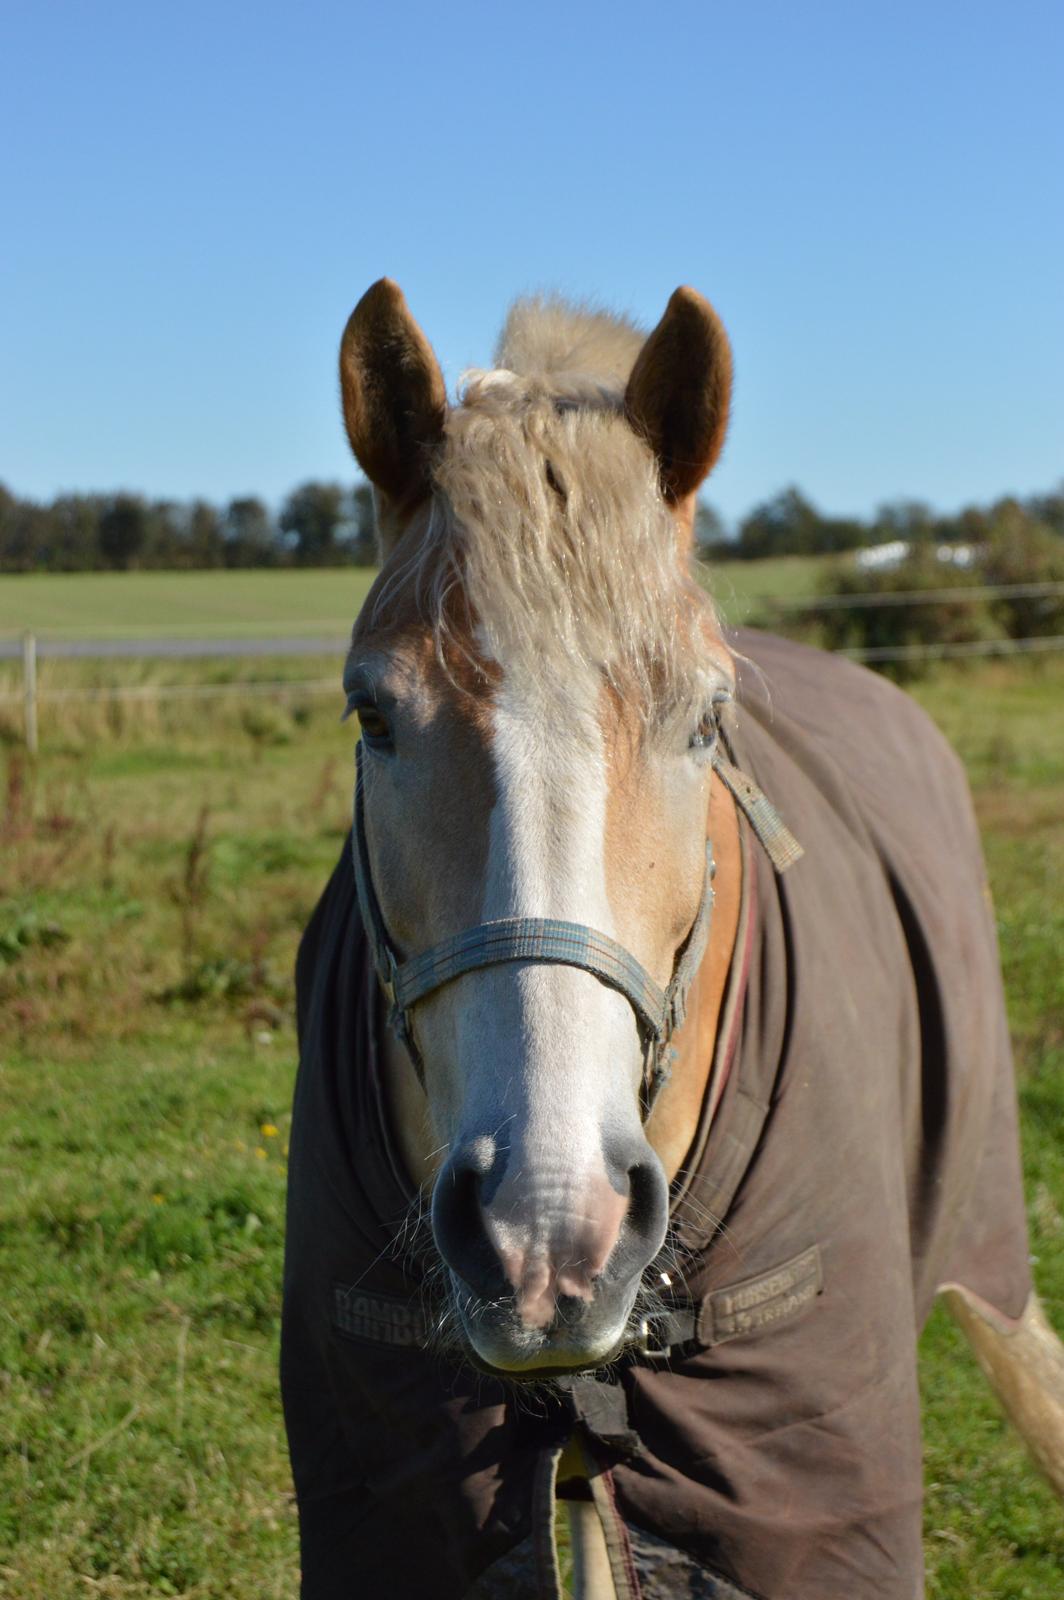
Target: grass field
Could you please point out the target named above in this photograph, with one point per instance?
(112, 604)
(154, 880)
(293, 602)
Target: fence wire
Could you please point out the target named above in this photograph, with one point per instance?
(913, 597)
(167, 645)
(190, 691)
(972, 647)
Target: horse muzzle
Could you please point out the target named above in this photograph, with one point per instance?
(545, 1265)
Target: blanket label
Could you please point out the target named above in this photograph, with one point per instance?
(378, 1318)
(757, 1303)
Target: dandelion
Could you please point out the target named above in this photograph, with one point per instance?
(268, 1130)
(260, 1152)
(157, 1199)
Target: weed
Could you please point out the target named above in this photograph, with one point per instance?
(24, 931)
(189, 891)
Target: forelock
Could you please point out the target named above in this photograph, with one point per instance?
(548, 529)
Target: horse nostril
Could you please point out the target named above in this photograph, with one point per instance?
(648, 1199)
(458, 1223)
(455, 1205)
(636, 1173)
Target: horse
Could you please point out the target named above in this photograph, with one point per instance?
(654, 1075)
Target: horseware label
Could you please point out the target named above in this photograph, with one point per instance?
(378, 1318)
(759, 1302)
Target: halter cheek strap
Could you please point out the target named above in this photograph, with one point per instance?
(545, 940)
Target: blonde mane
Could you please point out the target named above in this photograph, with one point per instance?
(548, 525)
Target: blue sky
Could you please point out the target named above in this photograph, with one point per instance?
(194, 197)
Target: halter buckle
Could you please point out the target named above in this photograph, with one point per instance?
(650, 1342)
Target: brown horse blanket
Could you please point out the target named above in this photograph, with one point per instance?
(864, 1152)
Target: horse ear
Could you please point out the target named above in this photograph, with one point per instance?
(395, 400)
(679, 392)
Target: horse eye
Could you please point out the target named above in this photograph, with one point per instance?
(705, 735)
(376, 733)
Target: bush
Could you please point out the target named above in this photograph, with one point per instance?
(900, 622)
(1020, 550)
(1016, 549)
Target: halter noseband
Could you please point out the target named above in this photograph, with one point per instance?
(658, 1012)
(545, 940)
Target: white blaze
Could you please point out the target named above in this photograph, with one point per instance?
(555, 1054)
(546, 858)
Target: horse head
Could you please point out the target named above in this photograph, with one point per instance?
(539, 681)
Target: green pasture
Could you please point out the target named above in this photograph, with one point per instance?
(156, 867)
(295, 601)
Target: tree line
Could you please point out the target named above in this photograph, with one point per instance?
(319, 525)
(789, 524)
(329, 524)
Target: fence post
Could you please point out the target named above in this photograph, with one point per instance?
(29, 690)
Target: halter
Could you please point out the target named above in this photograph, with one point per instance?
(547, 941)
